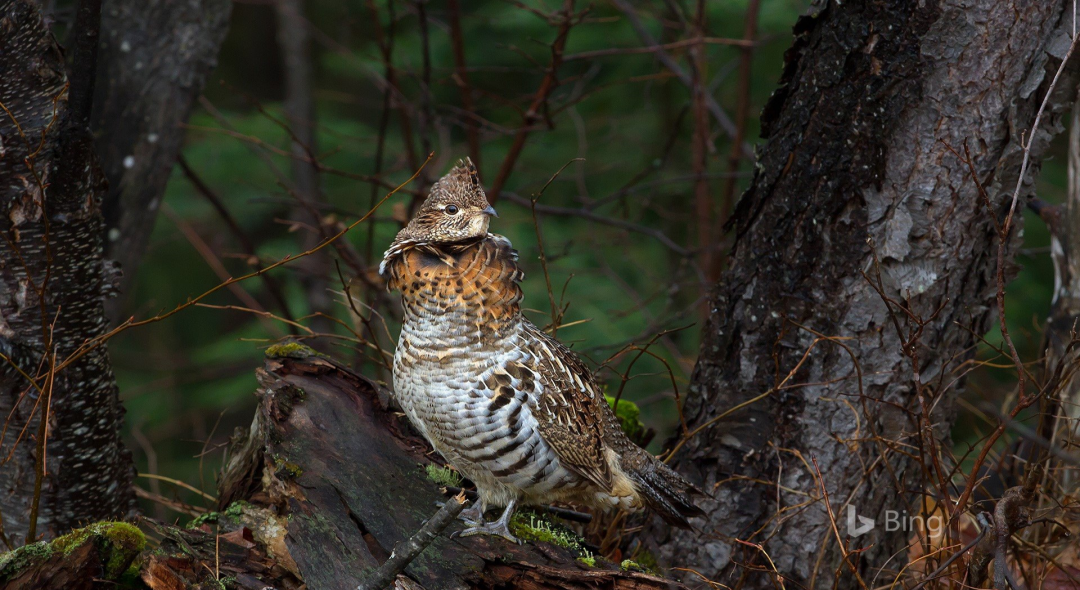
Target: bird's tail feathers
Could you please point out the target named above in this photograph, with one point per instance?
(665, 492)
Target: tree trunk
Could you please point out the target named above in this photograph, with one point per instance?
(857, 191)
(155, 58)
(53, 282)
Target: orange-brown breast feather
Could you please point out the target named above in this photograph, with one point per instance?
(480, 277)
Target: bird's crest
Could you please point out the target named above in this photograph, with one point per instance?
(455, 210)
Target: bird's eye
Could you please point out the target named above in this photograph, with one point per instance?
(451, 209)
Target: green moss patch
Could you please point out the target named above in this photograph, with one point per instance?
(643, 561)
(117, 543)
(629, 416)
(291, 349)
(444, 476)
(236, 509)
(15, 561)
(284, 469)
(528, 525)
(208, 518)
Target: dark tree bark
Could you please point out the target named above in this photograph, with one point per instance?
(154, 60)
(855, 177)
(53, 281)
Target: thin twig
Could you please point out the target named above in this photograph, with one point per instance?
(547, 85)
(234, 227)
(669, 62)
(461, 77)
(743, 43)
(592, 216)
(408, 550)
(556, 316)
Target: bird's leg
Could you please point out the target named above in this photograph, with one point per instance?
(498, 528)
(474, 514)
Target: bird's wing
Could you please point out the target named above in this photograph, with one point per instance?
(568, 410)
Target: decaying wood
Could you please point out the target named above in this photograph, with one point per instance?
(345, 477)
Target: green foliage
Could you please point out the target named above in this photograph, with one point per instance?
(443, 476)
(209, 517)
(589, 561)
(629, 416)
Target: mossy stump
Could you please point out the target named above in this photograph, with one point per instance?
(102, 552)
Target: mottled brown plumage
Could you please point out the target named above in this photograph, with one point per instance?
(505, 403)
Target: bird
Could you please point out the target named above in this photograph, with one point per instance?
(505, 403)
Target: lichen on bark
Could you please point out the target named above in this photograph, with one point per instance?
(52, 289)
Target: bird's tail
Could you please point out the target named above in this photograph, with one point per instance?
(665, 492)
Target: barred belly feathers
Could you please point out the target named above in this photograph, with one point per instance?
(506, 404)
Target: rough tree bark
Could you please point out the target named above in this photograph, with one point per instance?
(855, 177)
(154, 60)
(53, 282)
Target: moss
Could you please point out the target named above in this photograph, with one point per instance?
(209, 517)
(15, 561)
(236, 509)
(531, 526)
(117, 543)
(631, 566)
(646, 561)
(291, 349)
(444, 476)
(131, 576)
(589, 561)
(125, 543)
(285, 469)
(629, 416)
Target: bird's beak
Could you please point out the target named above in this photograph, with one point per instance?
(489, 210)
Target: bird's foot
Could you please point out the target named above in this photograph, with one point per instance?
(473, 515)
(497, 528)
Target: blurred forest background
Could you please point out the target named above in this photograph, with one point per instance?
(632, 228)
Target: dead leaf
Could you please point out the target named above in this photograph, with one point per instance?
(158, 576)
(240, 537)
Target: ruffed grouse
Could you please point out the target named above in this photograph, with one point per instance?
(506, 404)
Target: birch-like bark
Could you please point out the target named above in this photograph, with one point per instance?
(53, 282)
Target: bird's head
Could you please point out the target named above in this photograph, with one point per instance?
(455, 210)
